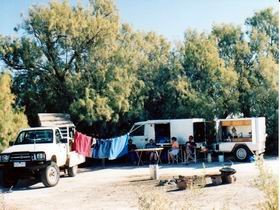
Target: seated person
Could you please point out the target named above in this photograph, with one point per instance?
(162, 139)
(234, 132)
(132, 157)
(174, 149)
(190, 149)
(153, 155)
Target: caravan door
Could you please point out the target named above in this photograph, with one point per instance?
(204, 132)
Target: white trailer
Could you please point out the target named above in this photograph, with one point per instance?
(242, 137)
(162, 130)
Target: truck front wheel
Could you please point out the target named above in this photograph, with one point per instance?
(241, 153)
(72, 171)
(50, 175)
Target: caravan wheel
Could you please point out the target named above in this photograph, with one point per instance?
(241, 153)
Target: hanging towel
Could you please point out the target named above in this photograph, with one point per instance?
(111, 148)
(119, 147)
(102, 149)
(82, 144)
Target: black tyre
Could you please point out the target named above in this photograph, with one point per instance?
(241, 153)
(50, 175)
(72, 171)
(9, 178)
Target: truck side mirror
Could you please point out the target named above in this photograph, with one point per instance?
(11, 143)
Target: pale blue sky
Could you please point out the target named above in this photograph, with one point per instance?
(170, 18)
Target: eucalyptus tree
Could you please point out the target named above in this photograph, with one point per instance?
(12, 117)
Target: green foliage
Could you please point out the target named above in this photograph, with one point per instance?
(52, 55)
(213, 82)
(82, 60)
(264, 32)
(227, 36)
(254, 58)
(11, 119)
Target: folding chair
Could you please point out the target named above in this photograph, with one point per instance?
(191, 155)
(176, 158)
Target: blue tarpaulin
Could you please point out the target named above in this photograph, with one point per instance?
(111, 148)
(102, 149)
(118, 147)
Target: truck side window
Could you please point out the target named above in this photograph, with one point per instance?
(57, 136)
(71, 132)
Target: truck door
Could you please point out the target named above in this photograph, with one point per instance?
(62, 150)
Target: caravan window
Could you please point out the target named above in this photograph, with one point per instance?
(162, 133)
(236, 130)
(137, 130)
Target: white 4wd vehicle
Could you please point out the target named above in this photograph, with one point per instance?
(41, 151)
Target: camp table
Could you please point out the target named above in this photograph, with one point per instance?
(139, 153)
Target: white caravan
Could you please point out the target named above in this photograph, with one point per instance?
(242, 137)
(162, 130)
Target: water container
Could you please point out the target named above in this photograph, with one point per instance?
(154, 171)
(221, 158)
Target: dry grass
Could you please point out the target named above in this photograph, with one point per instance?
(157, 198)
(268, 184)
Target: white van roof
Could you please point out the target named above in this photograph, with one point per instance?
(168, 121)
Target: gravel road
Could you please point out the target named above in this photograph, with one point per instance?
(119, 187)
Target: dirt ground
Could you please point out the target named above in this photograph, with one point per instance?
(119, 188)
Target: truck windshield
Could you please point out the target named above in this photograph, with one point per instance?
(35, 136)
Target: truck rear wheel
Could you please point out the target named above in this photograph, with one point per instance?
(9, 178)
(241, 153)
(50, 175)
(72, 171)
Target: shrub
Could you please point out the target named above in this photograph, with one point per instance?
(268, 184)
